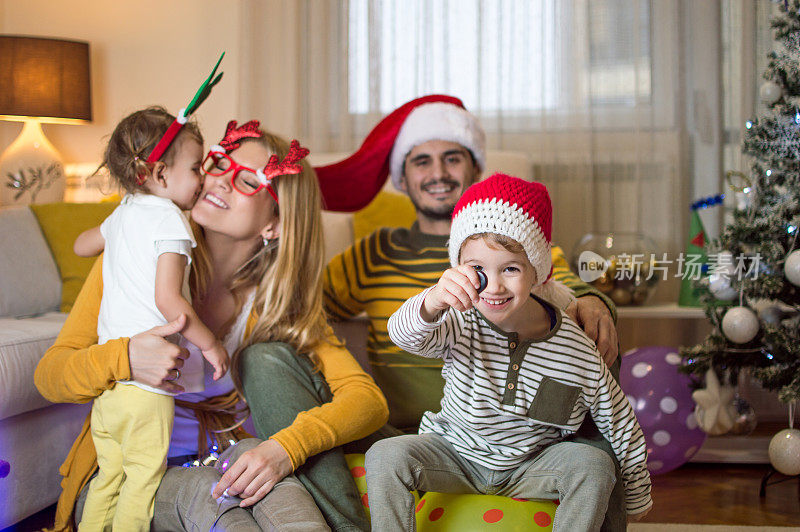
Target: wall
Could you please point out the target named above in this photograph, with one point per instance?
(142, 53)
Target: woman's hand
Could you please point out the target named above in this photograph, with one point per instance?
(593, 316)
(154, 359)
(457, 288)
(255, 473)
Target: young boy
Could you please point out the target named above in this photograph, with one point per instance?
(519, 374)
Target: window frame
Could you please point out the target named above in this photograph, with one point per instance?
(658, 113)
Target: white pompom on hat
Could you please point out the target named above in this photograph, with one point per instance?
(351, 184)
(437, 121)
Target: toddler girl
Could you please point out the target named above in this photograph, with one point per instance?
(148, 243)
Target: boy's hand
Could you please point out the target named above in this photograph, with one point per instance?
(218, 358)
(457, 288)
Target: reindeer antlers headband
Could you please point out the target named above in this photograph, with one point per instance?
(184, 114)
(290, 164)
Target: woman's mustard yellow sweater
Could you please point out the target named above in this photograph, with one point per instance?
(76, 370)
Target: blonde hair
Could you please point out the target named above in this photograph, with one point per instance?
(287, 276)
(132, 142)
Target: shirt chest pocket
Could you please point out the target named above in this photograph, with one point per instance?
(554, 402)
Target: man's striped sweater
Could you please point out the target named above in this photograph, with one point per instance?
(378, 274)
(505, 397)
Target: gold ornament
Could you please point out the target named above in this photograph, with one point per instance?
(621, 296)
(605, 284)
(640, 295)
(737, 181)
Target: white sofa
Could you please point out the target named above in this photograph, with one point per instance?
(36, 435)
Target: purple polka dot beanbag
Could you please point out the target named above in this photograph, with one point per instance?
(662, 401)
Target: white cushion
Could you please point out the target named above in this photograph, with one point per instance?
(22, 344)
(29, 279)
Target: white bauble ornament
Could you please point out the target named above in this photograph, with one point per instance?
(784, 451)
(725, 263)
(770, 92)
(720, 286)
(740, 325)
(791, 268)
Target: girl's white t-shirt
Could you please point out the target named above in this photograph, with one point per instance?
(138, 231)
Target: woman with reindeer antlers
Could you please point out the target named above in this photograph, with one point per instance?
(256, 283)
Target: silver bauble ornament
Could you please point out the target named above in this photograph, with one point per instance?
(791, 268)
(784, 451)
(746, 421)
(770, 92)
(740, 325)
(725, 263)
(720, 286)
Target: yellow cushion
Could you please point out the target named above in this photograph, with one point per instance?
(388, 209)
(61, 224)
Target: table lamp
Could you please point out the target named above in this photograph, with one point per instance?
(41, 81)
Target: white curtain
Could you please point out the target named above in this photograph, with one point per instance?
(589, 89)
(747, 38)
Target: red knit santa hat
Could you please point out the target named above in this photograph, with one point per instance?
(437, 121)
(350, 184)
(512, 207)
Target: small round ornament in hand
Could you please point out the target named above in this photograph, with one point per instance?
(791, 268)
(740, 325)
(770, 92)
(784, 451)
(745, 421)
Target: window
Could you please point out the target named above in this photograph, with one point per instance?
(516, 57)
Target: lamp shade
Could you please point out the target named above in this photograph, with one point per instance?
(44, 78)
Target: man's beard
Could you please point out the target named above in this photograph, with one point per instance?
(444, 213)
(440, 212)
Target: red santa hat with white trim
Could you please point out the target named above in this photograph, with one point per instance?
(350, 184)
(515, 208)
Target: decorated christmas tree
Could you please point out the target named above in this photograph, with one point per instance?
(752, 292)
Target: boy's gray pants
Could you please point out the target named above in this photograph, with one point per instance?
(580, 476)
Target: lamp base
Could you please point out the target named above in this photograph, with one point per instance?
(31, 170)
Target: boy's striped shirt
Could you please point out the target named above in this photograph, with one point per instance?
(491, 412)
(376, 275)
